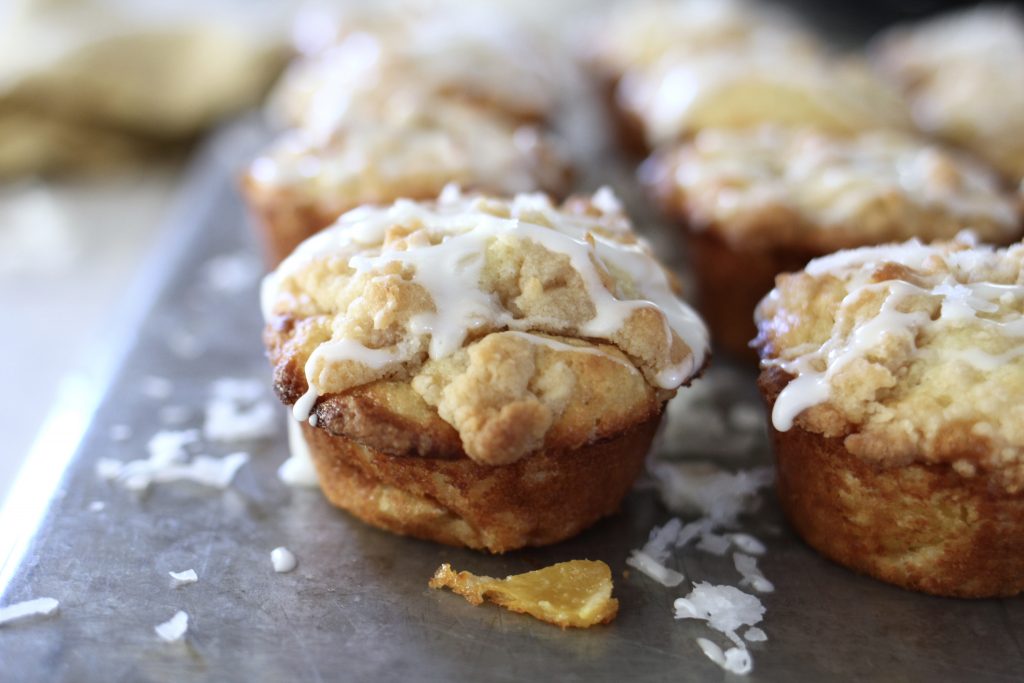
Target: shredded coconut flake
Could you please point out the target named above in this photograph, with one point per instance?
(648, 566)
(237, 411)
(168, 462)
(42, 607)
(158, 388)
(283, 560)
(747, 543)
(184, 578)
(724, 608)
(755, 635)
(97, 506)
(713, 543)
(707, 489)
(174, 629)
(746, 565)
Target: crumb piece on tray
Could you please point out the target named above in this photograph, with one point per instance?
(577, 593)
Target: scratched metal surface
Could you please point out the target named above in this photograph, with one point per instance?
(357, 608)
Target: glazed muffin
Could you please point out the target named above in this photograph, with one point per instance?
(635, 37)
(895, 379)
(773, 82)
(758, 202)
(410, 149)
(962, 75)
(479, 371)
(490, 64)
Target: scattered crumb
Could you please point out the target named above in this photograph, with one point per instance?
(283, 560)
(755, 635)
(746, 565)
(174, 415)
(158, 388)
(174, 629)
(120, 433)
(168, 462)
(237, 410)
(42, 607)
(231, 273)
(97, 506)
(184, 578)
(577, 593)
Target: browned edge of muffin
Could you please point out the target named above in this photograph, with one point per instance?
(919, 526)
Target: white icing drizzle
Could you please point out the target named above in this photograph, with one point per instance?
(962, 304)
(448, 265)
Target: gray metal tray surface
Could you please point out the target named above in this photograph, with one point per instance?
(357, 608)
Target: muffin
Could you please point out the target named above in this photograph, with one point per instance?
(490, 64)
(758, 202)
(772, 82)
(479, 371)
(410, 149)
(635, 39)
(895, 380)
(962, 75)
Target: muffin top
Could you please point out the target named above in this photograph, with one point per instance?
(909, 352)
(638, 34)
(800, 188)
(413, 148)
(778, 82)
(487, 63)
(476, 325)
(964, 75)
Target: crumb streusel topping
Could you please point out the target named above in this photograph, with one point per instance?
(781, 186)
(909, 352)
(467, 297)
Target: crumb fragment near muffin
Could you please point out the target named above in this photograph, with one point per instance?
(574, 594)
(430, 292)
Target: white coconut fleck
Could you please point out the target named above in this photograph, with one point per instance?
(97, 506)
(746, 565)
(755, 635)
(747, 543)
(705, 488)
(41, 607)
(738, 661)
(724, 608)
(168, 462)
(174, 415)
(184, 578)
(120, 433)
(650, 567)
(283, 560)
(712, 651)
(174, 629)
(158, 388)
(236, 410)
(231, 273)
(713, 543)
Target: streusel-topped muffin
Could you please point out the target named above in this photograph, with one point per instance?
(895, 377)
(479, 371)
(409, 148)
(636, 35)
(761, 201)
(763, 83)
(962, 73)
(490, 64)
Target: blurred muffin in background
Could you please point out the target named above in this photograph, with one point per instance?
(86, 84)
(409, 149)
(963, 73)
(402, 104)
(757, 202)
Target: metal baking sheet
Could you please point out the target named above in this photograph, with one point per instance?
(358, 607)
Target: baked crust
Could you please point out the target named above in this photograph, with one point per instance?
(809, 191)
(922, 527)
(541, 499)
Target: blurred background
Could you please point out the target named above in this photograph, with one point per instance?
(101, 104)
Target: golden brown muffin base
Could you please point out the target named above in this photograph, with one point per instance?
(730, 284)
(922, 527)
(541, 499)
(283, 221)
